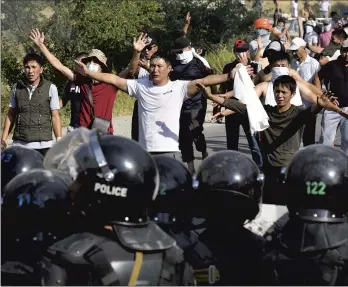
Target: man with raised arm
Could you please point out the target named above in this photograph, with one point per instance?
(159, 100)
(97, 99)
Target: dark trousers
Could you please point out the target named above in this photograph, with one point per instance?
(232, 124)
(43, 151)
(191, 131)
(274, 191)
(135, 123)
(308, 137)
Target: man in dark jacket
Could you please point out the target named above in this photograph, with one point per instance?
(34, 109)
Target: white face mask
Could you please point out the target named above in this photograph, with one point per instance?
(262, 32)
(185, 57)
(327, 28)
(309, 29)
(279, 71)
(93, 67)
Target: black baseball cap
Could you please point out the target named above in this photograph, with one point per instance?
(240, 46)
(181, 43)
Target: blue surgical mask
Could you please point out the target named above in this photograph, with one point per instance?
(93, 67)
(262, 32)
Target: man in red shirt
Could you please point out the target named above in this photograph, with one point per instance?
(102, 95)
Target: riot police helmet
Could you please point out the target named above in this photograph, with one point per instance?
(317, 184)
(115, 179)
(16, 160)
(229, 184)
(175, 189)
(36, 206)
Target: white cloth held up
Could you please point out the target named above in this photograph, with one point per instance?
(244, 91)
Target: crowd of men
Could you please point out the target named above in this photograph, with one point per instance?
(98, 209)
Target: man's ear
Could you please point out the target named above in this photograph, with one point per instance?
(41, 70)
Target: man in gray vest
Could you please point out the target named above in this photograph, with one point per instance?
(33, 108)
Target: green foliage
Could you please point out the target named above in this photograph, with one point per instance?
(217, 60)
(73, 26)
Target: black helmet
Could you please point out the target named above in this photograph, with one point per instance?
(35, 207)
(229, 181)
(17, 159)
(317, 184)
(115, 179)
(175, 189)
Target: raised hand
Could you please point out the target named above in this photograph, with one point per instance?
(140, 44)
(81, 68)
(37, 37)
(188, 18)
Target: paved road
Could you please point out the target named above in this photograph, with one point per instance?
(216, 139)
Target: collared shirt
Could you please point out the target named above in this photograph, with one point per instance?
(54, 105)
(307, 70)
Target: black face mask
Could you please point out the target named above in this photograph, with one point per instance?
(305, 236)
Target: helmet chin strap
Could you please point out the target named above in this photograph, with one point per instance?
(99, 156)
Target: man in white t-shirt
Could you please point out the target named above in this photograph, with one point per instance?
(138, 69)
(294, 15)
(324, 8)
(159, 100)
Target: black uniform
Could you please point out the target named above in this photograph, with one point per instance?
(116, 244)
(35, 214)
(312, 248)
(228, 193)
(193, 110)
(72, 93)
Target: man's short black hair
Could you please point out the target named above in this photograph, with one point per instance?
(339, 33)
(33, 57)
(81, 55)
(333, 13)
(161, 55)
(285, 81)
(279, 56)
(281, 20)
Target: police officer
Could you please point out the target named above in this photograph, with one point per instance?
(188, 67)
(115, 183)
(16, 160)
(35, 214)
(228, 194)
(312, 248)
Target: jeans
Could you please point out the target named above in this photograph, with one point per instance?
(294, 25)
(232, 124)
(329, 125)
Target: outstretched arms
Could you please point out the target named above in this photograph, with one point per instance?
(106, 78)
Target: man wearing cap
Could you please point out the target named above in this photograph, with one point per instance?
(325, 36)
(335, 77)
(188, 66)
(97, 99)
(307, 67)
(233, 121)
(138, 68)
(263, 29)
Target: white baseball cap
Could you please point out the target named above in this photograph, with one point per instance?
(297, 43)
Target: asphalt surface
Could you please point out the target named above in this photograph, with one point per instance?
(216, 139)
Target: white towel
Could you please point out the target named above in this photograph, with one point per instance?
(244, 90)
(204, 61)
